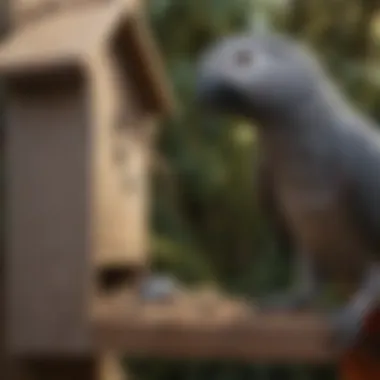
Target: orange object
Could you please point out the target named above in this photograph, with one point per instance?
(358, 364)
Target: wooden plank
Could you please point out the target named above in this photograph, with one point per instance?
(119, 174)
(183, 329)
(49, 272)
(149, 67)
(60, 40)
(27, 11)
(4, 357)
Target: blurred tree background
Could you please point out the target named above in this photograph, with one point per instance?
(207, 227)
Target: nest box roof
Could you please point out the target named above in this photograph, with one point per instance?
(69, 38)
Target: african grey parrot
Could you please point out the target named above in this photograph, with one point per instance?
(319, 167)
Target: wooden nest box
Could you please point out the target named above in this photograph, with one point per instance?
(84, 87)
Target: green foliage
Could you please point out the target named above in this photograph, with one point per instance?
(207, 226)
(211, 164)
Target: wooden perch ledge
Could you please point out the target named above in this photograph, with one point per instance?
(208, 326)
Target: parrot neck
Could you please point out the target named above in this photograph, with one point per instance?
(323, 109)
(308, 126)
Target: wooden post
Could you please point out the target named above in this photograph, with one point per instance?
(81, 90)
(18, 368)
(4, 374)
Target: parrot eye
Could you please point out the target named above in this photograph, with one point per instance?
(243, 58)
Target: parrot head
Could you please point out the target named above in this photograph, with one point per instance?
(255, 76)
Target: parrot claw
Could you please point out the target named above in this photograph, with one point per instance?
(347, 325)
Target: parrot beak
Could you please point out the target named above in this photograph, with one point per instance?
(208, 91)
(214, 94)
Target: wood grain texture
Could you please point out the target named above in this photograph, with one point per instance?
(78, 168)
(48, 268)
(68, 34)
(119, 168)
(221, 329)
(25, 12)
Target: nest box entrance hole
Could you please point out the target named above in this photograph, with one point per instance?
(115, 278)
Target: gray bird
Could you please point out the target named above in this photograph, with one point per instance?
(319, 166)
